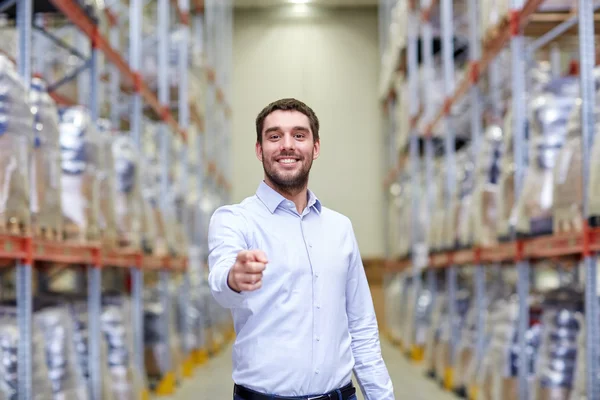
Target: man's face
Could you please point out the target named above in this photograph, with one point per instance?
(288, 150)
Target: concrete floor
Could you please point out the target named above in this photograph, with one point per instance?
(213, 381)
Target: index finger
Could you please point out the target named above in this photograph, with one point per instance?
(260, 256)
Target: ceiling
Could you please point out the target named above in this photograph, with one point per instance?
(331, 3)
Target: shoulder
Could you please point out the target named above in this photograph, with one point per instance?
(233, 212)
(335, 217)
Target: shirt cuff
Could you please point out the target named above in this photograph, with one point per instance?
(223, 293)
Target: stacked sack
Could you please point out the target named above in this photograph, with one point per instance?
(107, 220)
(9, 347)
(127, 170)
(79, 179)
(443, 356)
(485, 211)
(45, 173)
(158, 347)
(466, 181)
(16, 142)
(65, 377)
(499, 380)
(550, 111)
(539, 77)
(126, 381)
(558, 353)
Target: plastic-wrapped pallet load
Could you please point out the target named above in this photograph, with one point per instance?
(405, 217)
(443, 351)
(574, 166)
(555, 370)
(156, 347)
(16, 142)
(438, 210)
(579, 391)
(127, 383)
(128, 201)
(463, 236)
(66, 378)
(491, 13)
(408, 312)
(79, 319)
(502, 382)
(433, 333)
(79, 179)
(484, 210)
(107, 220)
(188, 316)
(539, 76)
(506, 182)
(469, 367)
(152, 185)
(9, 344)
(422, 318)
(550, 112)
(46, 207)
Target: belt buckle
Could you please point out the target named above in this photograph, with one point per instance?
(322, 397)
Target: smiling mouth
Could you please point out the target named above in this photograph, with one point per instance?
(287, 161)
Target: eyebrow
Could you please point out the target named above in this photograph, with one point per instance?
(278, 129)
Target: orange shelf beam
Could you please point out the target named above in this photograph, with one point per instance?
(17, 248)
(77, 16)
(544, 247)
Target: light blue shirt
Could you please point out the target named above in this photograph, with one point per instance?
(312, 322)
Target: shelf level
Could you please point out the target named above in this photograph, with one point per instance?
(544, 247)
(28, 249)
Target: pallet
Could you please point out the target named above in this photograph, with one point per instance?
(48, 233)
(14, 227)
(568, 221)
(73, 233)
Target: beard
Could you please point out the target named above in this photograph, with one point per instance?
(288, 182)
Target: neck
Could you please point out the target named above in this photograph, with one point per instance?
(298, 196)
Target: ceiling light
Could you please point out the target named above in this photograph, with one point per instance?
(299, 1)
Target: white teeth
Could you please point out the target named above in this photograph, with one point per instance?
(287, 161)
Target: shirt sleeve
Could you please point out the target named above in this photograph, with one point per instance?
(226, 238)
(370, 369)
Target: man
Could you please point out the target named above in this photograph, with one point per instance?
(291, 272)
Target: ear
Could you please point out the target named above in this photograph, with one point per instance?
(316, 149)
(259, 152)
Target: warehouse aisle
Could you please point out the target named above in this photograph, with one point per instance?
(213, 382)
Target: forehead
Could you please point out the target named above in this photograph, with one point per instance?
(286, 120)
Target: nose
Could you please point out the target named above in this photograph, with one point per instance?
(288, 143)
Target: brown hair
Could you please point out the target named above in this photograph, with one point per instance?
(287, 105)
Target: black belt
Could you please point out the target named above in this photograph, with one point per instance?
(247, 394)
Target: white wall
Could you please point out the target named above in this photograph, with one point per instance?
(330, 61)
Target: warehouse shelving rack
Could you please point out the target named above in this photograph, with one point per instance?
(484, 47)
(212, 38)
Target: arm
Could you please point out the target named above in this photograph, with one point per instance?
(370, 369)
(226, 239)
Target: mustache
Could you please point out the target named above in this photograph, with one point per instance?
(288, 154)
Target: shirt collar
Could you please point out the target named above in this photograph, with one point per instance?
(272, 199)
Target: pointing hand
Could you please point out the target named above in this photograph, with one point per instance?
(246, 273)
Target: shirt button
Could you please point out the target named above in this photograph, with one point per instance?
(317, 372)
(318, 339)
(318, 306)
